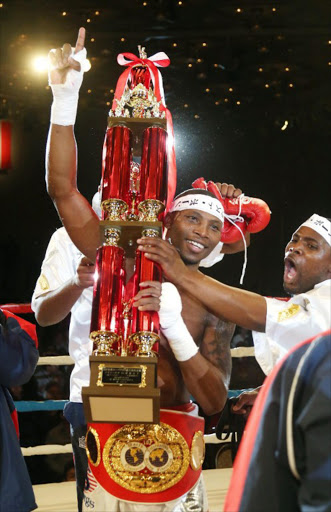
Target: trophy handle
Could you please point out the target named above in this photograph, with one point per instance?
(145, 340)
(103, 342)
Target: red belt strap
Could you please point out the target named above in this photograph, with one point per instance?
(147, 463)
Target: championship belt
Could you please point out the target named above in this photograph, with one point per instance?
(138, 181)
(147, 463)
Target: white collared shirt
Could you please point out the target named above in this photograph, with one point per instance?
(289, 323)
(59, 265)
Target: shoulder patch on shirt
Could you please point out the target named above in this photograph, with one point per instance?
(43, 282)
(292, 310)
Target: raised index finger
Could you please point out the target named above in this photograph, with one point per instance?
(80, 40)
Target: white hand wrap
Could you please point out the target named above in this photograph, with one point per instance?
(173, 326)
(65, 96)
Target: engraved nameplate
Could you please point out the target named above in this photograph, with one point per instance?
(122, 375)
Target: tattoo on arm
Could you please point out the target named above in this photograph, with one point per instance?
(217, 348)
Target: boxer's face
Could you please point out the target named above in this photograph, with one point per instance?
(307, 261)
(194, 233)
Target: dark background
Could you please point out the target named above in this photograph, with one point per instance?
(213, 47)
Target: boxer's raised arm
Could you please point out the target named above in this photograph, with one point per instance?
(76, 214)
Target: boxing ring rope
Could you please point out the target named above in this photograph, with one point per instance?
(49, 449)
(55, 360)
(17, 309)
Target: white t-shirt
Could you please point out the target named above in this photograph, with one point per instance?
(60, 265)
(289, 323)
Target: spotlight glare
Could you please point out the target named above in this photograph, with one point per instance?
(40, 64)
(285, 125)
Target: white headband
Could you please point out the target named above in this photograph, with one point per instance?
(201, 202)
(321, 225)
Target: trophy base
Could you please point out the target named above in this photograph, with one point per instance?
(121, 408)
(122, 390)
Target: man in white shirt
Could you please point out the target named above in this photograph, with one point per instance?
(277, 325)
(66, 279)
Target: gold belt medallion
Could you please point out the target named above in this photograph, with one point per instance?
(146, 458)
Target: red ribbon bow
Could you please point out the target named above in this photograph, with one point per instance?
(160, 59)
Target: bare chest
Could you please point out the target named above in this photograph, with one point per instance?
(170, 380)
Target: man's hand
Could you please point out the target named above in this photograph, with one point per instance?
(84, 276)
(245, 402)
(166, 255)
(61, 59)
(66, 72)
(148, 298)
(228, 191)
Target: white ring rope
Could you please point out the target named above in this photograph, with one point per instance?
(55, 360)
(243, 352)
(67, 360)
(49, 449)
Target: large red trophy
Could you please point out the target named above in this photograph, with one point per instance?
(138, 180)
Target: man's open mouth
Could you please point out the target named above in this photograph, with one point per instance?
(290, 270)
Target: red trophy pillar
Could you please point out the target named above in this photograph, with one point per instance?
(107, 299)
(153, 172)
(145, 324)
(115, 182)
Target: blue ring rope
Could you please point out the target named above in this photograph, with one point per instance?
(49, 405)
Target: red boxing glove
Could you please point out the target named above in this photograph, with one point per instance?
(253, 213)
(232, 231)
(200, 183)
